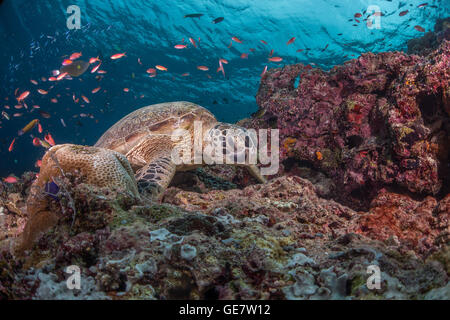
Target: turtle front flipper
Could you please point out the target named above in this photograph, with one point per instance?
(155, 177)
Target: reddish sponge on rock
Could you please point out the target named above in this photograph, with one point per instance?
(379, 120)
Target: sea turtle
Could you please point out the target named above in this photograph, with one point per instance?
(151, 136)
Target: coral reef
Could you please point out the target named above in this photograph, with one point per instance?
(382, 120)
(432, 39)
(364, 186)
(279, 240)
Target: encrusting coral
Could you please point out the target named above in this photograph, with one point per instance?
(379, 120)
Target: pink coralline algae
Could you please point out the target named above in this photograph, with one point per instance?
(376, 121)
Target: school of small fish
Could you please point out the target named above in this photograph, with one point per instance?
(72, 66)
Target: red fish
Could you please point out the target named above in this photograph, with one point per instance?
(40, 128)
(85, 99)
(75, 55)
(151, 70)
(244, 56)
(186, 74)
(61, 76)
(52, 79)
(23, 96)
(11, 146)
(180, 46)
(262, 41)
(422, 5)
(38, 163)
(221, 67)
(117, 56)
(419, 28)
(271, 53)
(126, 89)
(264, 71)
(36, 142)
(162, 68)
(10, 179)
(93, 60)
(193, 42)
(276, 59)
(236, 39)
(203, 68)
(34, 82)
(291, 41)
(41, 91)
(66, 62)
(358, 15)
(94, 69)
(49, 139)
(96, 90)
(401, 14)
(224, 61)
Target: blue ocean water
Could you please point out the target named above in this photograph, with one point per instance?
(35, 39)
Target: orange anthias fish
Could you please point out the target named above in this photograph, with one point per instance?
(41, 91)
(162, 68)
(93, 60)
(49, 139)
(244, 56)
(36, 142)
(262, 41)
(193, 42)
(401, 14)
(66, 62)
(276, 59)
(10, 179)
(221, 67)
(96, 90)
(28, 127)
(291, 41)
(75, 55)
(85, 99)
(40, 128)
(23, 96)
(203, 68)
(61, 76)
(11, 146)
(117, 56)
(224, 61)
(94, 69)
(236, 39)
(419, 28)
(180, 46)
(264, 71)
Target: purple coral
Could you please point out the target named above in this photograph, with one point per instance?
(379, 120)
